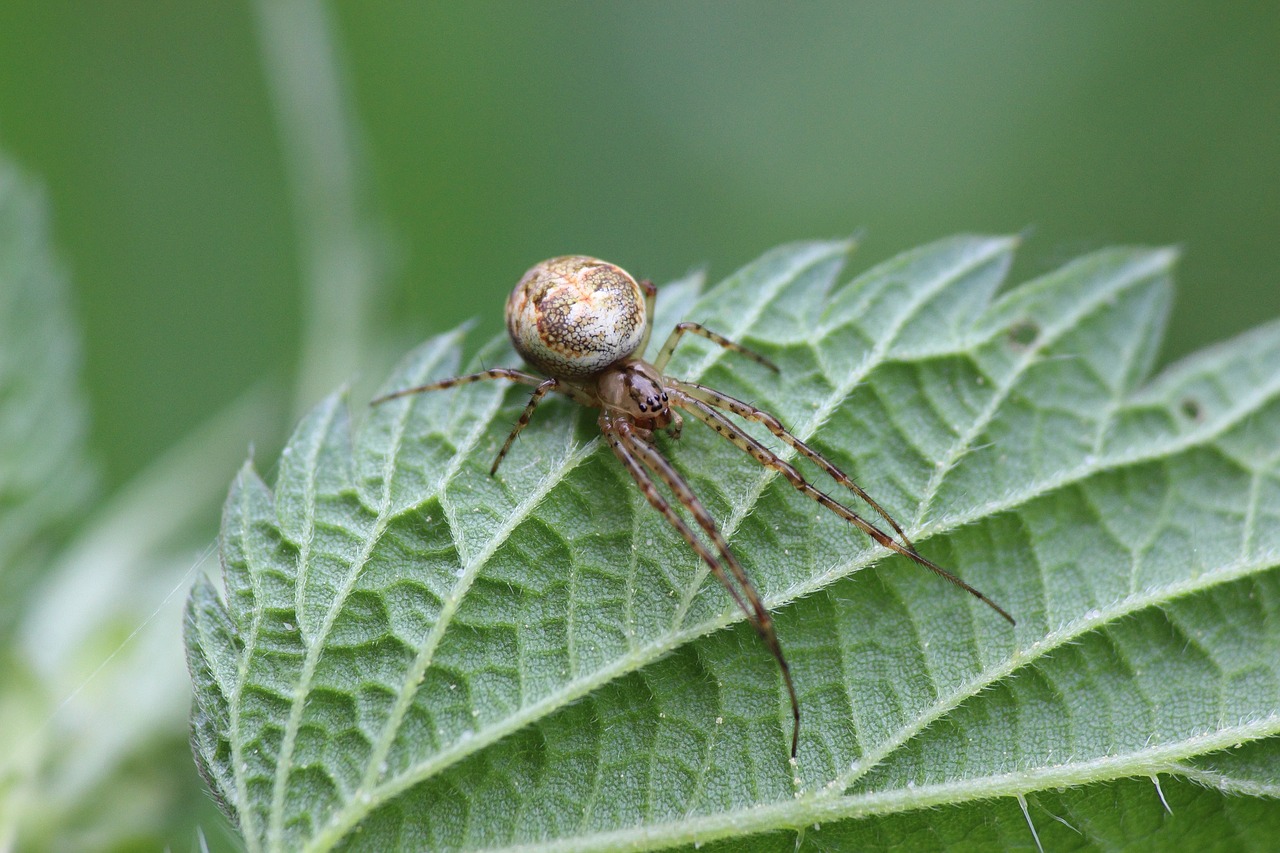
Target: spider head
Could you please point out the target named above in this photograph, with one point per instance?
(574, 316)
(634, 389)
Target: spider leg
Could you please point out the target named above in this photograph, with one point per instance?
(628, 446)
(664, 354)
(541, 388)
(725, 427)
(650, 298)
(491, 373)
(541, 391)
(676, 427)
(751, 413)
(623, 450)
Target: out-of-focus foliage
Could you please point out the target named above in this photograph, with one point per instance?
(92, 689)
(45, 474)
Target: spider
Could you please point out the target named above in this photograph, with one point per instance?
(585, 323)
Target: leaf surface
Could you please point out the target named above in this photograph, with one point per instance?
(410, 654)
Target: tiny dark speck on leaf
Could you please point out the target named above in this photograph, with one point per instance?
(1023, 334)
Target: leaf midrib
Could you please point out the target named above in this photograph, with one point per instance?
(826, 801)
(1226, 783)
(244, 810)
(803, 811)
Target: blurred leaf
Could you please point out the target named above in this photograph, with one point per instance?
(96, 701)
(411, 654)
(45, 475)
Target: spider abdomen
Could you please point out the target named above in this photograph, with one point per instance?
(574, 316)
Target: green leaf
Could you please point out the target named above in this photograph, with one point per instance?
(410, 654)
(45, 475)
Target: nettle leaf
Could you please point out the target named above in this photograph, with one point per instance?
(410, 654)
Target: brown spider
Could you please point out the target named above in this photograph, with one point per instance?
(583, 322)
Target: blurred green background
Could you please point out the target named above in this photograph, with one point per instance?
(661, 136)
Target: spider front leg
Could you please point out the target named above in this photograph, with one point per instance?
(640, 458)
(726, 428)
(751, 413)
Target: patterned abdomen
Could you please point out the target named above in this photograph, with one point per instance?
(573, 316)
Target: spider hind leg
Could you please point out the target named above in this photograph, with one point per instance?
(746, 411)
(669, 346)
(541, 388)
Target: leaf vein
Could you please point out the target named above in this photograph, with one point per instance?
(369, 796)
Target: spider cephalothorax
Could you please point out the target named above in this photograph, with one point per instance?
(585, 323)
(633, 389)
